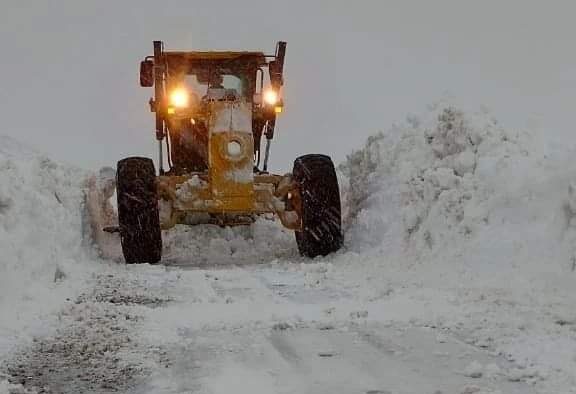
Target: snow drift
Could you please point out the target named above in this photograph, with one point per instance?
(460, 187)
(40, 236)
(474, 226)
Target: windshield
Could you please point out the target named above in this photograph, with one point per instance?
(218, 81)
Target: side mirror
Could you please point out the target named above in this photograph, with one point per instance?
(147, 73)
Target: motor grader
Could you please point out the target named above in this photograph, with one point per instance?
(213, 110)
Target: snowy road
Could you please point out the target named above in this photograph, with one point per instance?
(269, 330)
(278, 328)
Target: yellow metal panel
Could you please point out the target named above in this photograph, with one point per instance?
(231, 173)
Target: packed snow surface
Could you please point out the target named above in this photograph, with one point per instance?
(456, 277)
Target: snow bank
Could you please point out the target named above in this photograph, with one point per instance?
(451, 186)
(40, 237)
(473, 226)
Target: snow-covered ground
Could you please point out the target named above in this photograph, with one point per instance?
(456, 277)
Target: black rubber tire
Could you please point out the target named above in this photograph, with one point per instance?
(321, 211)
(138, 216)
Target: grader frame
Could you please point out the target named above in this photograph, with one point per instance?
(225, 187)
(212, 110)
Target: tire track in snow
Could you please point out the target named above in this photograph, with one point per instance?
(93, 350)
(272, 329)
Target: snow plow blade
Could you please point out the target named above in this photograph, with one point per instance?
(100, 217)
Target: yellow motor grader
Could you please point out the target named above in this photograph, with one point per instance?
(212, 110)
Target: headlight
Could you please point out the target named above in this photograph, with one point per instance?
(179, 98)
(270, 97)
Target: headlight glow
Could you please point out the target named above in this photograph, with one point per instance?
(179, 98)
(270, 97)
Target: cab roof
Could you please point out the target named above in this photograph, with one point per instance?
(258, 57)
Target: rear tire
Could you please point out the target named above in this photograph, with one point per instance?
(138, 216)
(321, 211)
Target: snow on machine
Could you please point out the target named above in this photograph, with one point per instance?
(212, 110)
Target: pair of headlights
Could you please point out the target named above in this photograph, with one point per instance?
(180, 98)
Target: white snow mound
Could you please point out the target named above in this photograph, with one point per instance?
(40, 236)
(460, 187)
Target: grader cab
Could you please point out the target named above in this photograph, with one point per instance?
(212, 111)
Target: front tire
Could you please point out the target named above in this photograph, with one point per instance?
(321, 211)
(138, 216)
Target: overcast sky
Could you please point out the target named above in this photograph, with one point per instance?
(69, 69)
